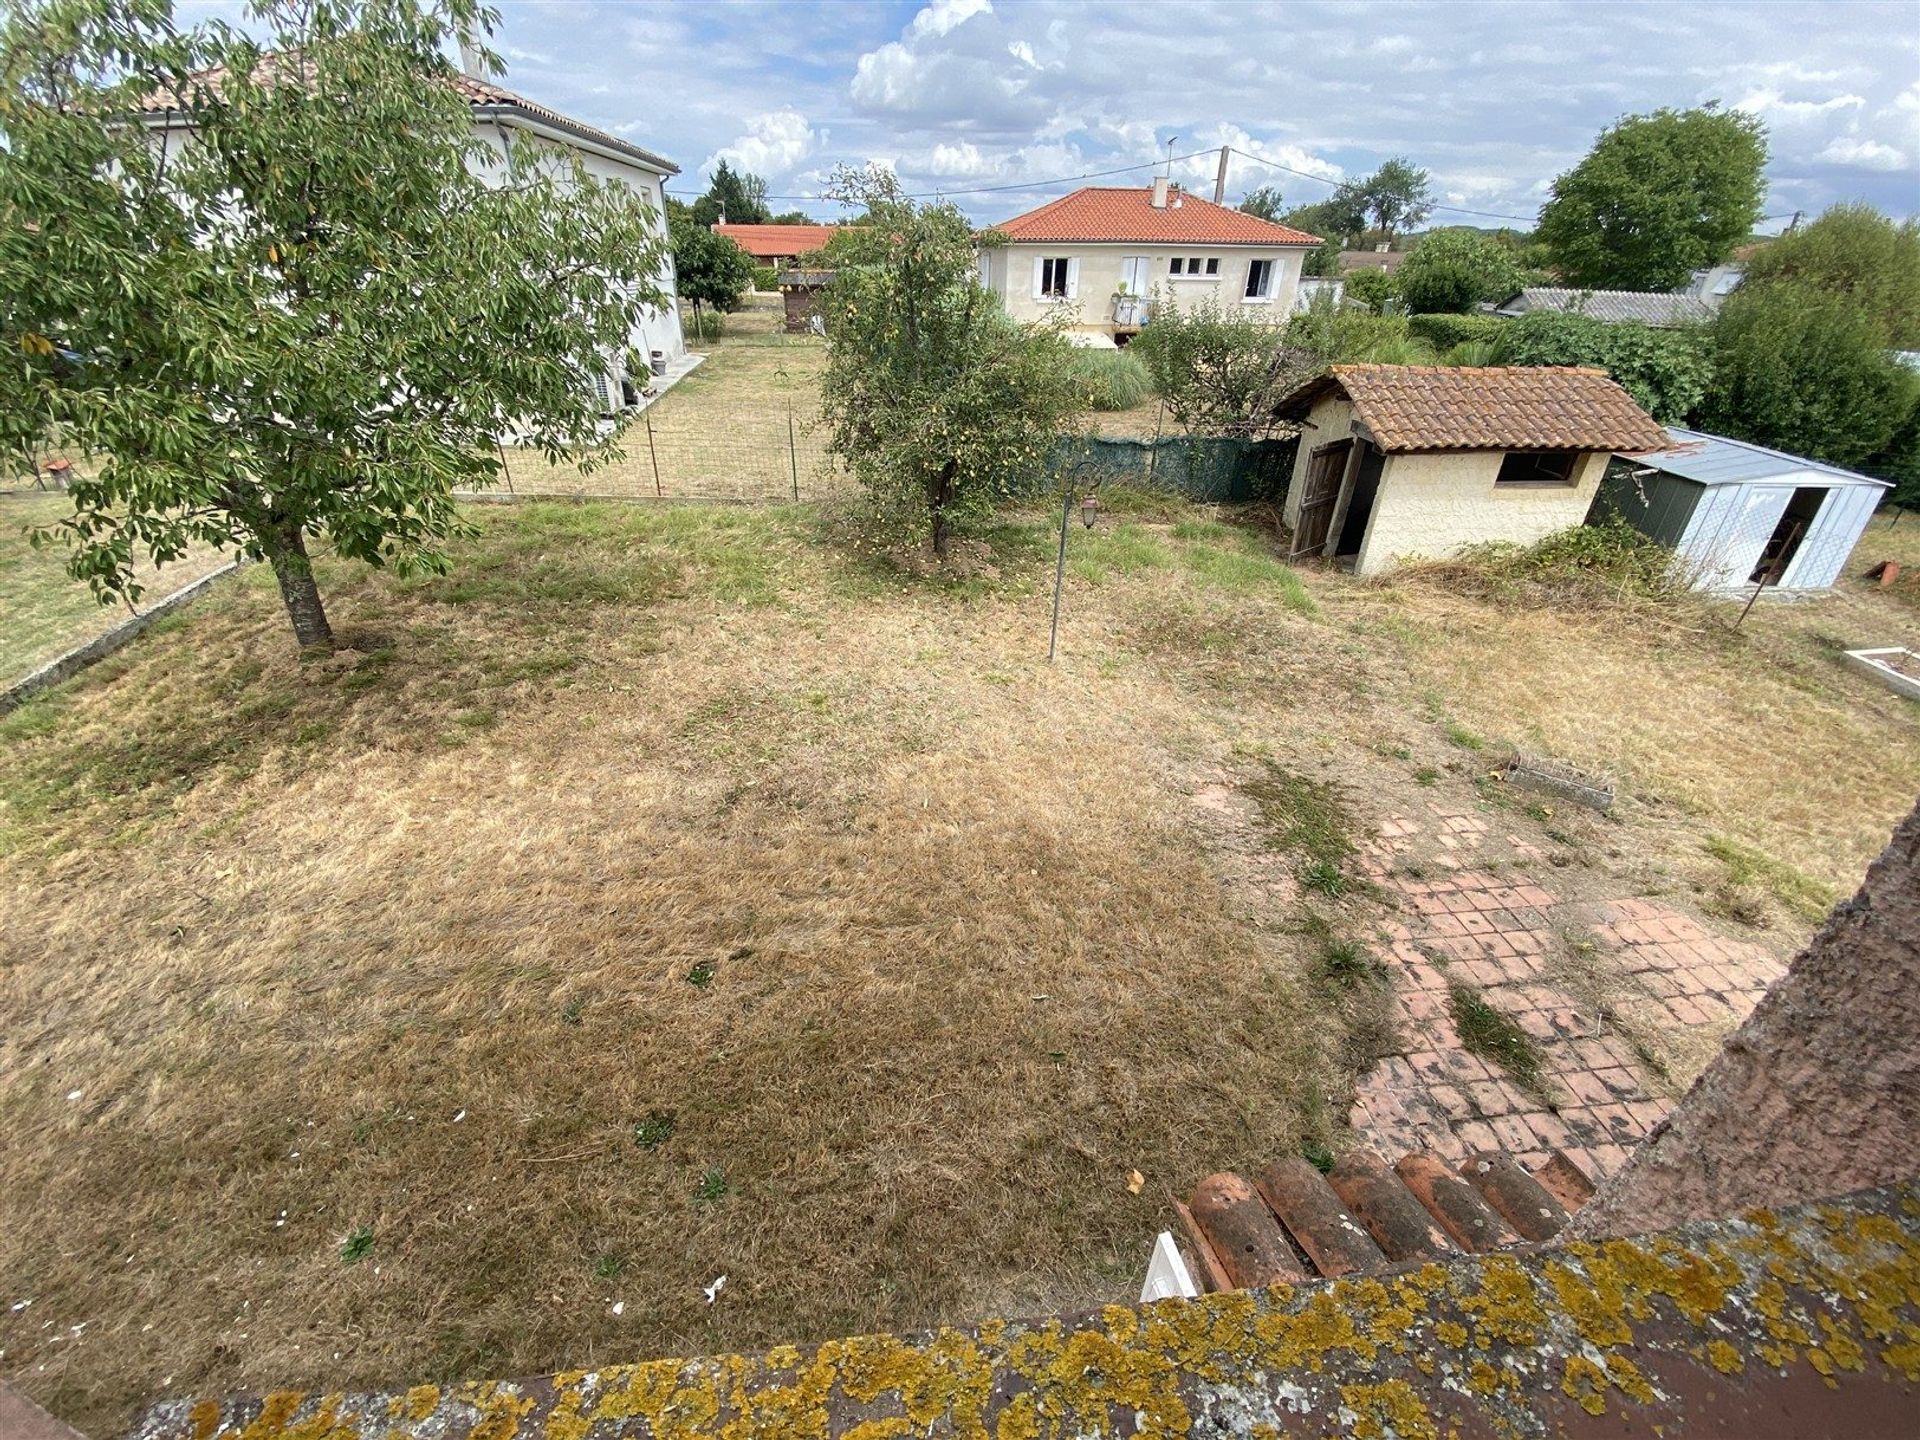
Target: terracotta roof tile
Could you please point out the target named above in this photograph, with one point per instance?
(767, 241)
(1126, 213)
(1513, 407)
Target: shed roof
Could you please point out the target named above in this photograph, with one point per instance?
(1494, 407)
(1717, 460)
(1650, 307)
(1117, 213)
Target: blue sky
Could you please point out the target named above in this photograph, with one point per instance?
(957, 95)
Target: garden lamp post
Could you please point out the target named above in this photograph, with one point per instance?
(1089, 512)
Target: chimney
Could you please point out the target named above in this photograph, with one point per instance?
(470, 64)
(1159, 192)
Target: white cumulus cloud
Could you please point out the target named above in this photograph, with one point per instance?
(945, 15)
(1771, 104)
(1863, 154)
(773, 145)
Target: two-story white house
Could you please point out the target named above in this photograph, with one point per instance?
(1106, 255)
(498, 114)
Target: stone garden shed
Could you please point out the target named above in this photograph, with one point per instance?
(1403, 461)
(1739, 514)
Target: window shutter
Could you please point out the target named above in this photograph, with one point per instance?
(1073, 279)
(1038, 261)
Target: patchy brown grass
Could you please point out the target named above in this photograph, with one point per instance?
(722, 432)
(664, 894)
(47, 612)
(361, 974)
(1756, 743)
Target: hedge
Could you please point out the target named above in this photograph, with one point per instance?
(1443, 332)
(765, 278)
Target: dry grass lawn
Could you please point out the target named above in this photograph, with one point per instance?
(722, 432)
(664, 895)
(47, 612)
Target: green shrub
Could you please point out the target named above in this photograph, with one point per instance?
(1444, 332)
(1372, 288)
(1666, 371)
(1607, 560)
(701, 323)
(1339, 335)
(765, 278)
(1474, 354)
(1452, 270)
(1115, 379)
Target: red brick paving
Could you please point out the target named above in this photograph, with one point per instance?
(1494, 931)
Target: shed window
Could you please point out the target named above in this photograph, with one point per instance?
(1538, 467)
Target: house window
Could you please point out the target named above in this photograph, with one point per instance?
(1213, 266)
(1176, 267)
(1193, 266)
(1053, 278)
(1259, 279)
(1538, 467)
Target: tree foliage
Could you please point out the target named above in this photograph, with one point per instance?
(792, 217)
(1451, 271)
(710, 269)
(1666, 371)
(1658, 197)
(1857, 252)
(1376, 289)
(314, 319)
(938, 402)
(1398, 196)
(1264, 202)
(1338, 219)
(738, 197)
(1220, 371)
(1807, 370)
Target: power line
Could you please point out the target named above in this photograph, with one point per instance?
(1025, 184)
(1452, 209)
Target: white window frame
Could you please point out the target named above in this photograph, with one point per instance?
(1264, 295)
(1056, 279)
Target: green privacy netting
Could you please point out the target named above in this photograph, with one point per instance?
(1198, 466)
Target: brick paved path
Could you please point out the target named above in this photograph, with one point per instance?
(1508, 935)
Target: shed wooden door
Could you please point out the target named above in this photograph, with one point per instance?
(1326, 467)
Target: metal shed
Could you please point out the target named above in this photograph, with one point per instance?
(1738, 514)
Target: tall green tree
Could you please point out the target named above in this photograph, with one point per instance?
(1855, 251)
(737, 196)
(1338, 220)
(1658, 197)
(1451, 271)
(1264, 202)
(938, 402)
(314, 320)
(711, 271)
(1808, 371)
(1398, 196)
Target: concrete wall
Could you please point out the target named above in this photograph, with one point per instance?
(1817, 1094)
(1008, 271)
(1431, 505)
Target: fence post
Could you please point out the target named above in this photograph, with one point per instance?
(647, 415)
(793, 455)
(1153, 452)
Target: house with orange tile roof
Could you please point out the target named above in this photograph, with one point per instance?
(776, 245)
(1105, 256)
(1398, 462)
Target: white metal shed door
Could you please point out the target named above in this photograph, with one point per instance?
(1744, 530)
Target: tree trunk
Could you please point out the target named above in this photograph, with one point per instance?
(937, 503)
(287, 552)
(1817, 1094)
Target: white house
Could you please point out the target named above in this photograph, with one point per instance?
(499, 113)
(1105, 256)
